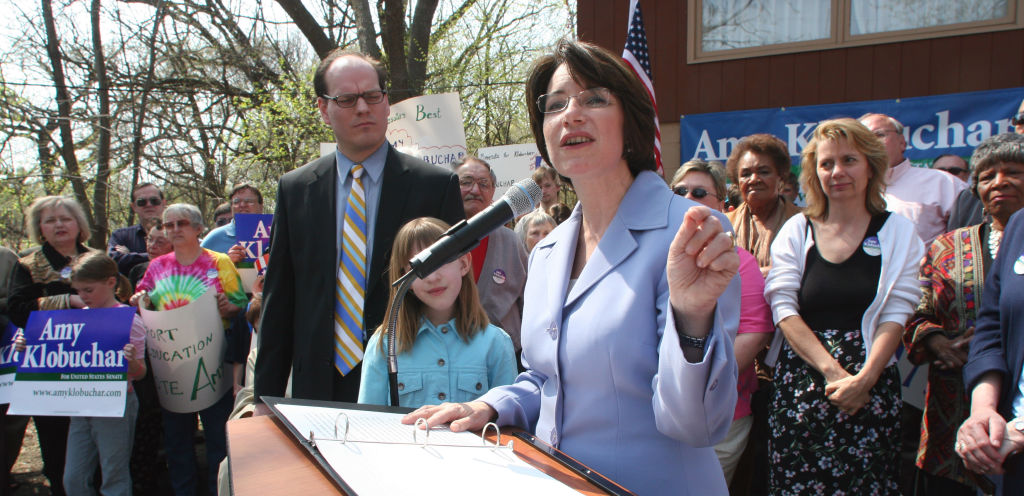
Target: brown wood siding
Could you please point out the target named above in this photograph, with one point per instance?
(895, 70)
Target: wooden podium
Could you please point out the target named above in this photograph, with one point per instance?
(266, 460)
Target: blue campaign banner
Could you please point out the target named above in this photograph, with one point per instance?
(63, 341)
(253, 233)
(933, 125)
(8, 357)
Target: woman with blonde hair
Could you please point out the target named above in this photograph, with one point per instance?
(42, 281)
(843, 284)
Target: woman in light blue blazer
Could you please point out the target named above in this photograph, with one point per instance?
(631, 305)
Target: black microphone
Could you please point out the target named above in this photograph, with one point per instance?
(521, 198)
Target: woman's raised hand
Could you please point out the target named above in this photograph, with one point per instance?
(702, 260)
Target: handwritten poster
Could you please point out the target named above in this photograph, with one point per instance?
(429, 127)
(186, 350)
(511, 163)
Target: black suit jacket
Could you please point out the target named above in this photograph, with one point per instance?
(297, 327)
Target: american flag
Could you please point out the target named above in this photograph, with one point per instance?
(261, 262)
(638, 58)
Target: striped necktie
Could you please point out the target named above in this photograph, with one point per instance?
(351, 281)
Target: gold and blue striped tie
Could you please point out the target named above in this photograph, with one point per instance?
(351, 281)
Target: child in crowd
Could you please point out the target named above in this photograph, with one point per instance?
(447, 349)
(106, 441)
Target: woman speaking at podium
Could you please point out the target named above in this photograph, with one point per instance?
(630, 368)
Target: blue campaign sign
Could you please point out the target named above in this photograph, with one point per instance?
(253, 233)
(8, 357)
(933, 125)
(88, 340)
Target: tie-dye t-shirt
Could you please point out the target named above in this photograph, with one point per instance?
(172, 285)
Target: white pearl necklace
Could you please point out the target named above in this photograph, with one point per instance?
(994, 237)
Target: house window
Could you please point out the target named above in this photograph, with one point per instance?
(727, 29)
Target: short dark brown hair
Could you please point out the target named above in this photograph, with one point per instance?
(145, 185)
(590, 65)
(243, 186)
(320, 76)
(761, 144)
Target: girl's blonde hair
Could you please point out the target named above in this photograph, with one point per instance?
(470, 317)
(96, 266)
(863, 141)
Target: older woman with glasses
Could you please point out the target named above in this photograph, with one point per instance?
(704, 182)
(629, 360)
(175, 280)
(758, 164)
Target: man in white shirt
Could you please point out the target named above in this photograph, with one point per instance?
(924, 196)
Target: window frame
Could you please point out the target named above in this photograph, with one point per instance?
(841, 35)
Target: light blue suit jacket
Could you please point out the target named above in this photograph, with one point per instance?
(607, 382)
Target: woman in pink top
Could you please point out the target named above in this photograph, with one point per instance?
(704, 183)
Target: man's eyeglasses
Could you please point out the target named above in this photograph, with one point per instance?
(247, 201)
(176, 224)
(348, 100)
(698, 193)
(1017, 120)
(590, 98)
(468, 182)
(153, 201)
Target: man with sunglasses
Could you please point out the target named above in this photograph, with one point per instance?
(127, 245)
(954, 165)
(328, 255)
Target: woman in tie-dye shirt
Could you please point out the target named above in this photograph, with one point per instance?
(174, 280)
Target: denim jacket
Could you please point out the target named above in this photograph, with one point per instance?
(440, 367)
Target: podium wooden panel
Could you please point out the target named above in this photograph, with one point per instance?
(266, 460)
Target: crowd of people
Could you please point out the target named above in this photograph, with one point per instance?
(688, 336)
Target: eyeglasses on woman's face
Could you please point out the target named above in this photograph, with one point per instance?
(551, 103)
(698, 193)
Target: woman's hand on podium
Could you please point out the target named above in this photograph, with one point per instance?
(472, 416)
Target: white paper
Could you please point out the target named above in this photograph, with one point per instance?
(186, 350)
(449, 463)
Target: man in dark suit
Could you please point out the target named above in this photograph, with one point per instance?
(297, 331)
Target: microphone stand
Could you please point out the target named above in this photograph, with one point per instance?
(403, 285)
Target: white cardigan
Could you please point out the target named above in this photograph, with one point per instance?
(899, 291)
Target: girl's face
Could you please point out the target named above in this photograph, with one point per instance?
(96, 294)
(439, 290)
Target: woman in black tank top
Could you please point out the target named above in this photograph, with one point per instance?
(834, 417)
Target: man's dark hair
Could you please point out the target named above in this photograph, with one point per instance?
(223, 208)
(319, 77)
(144, 185)
(243, 186)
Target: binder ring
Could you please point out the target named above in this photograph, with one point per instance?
(497, 435)
(341, 416)
(426, 431)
